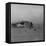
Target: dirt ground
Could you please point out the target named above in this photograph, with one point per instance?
(26, 34)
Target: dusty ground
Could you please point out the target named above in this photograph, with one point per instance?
(26, 34)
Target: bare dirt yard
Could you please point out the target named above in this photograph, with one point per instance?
(26, 34)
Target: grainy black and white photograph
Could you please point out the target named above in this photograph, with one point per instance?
(26, 22)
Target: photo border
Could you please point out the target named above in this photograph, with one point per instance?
(8, 21)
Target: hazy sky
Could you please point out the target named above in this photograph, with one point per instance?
(26, 12)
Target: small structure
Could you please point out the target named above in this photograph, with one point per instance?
(23, 24)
